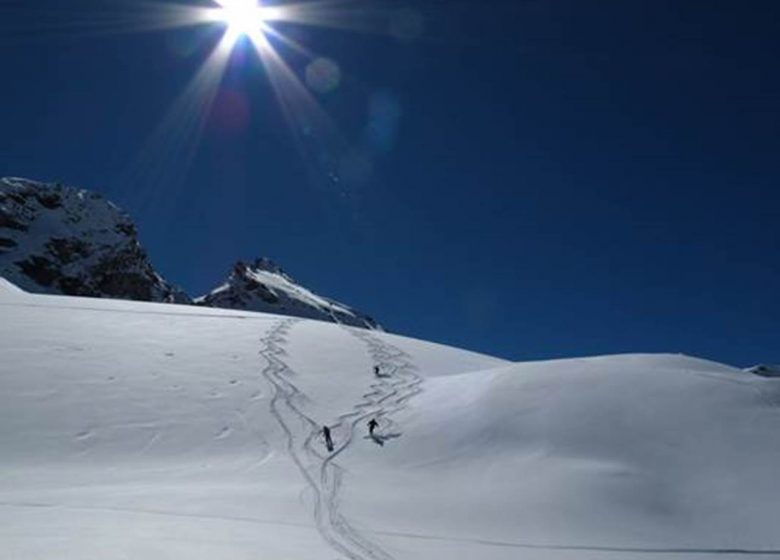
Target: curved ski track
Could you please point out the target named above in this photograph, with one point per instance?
(322, 475)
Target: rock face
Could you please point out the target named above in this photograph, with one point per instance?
(60, 240)
(264, 286)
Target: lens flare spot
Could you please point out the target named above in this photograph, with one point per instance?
(231, 112)
(384, 112)
(323, 75)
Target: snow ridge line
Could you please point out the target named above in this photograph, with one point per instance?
(331, 524)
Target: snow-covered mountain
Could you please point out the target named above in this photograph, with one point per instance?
(264, 286)
(60, 240)
(141, 430)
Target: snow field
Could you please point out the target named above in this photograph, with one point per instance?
(133, 430)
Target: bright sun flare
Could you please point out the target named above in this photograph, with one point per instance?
(243, 17)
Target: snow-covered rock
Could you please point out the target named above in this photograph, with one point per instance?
(60, 240)
(65, 241)
(264, 286)
(765, 370)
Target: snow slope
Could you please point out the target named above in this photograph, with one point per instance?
(139, 430)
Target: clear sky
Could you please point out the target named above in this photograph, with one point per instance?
(527, 178)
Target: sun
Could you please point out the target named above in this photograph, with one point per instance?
(242, 17)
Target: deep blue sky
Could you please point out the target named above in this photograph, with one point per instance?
(555, 178)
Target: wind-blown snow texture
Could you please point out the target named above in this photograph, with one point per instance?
(139, 430)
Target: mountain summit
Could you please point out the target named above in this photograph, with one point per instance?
(65, 241)
(264, 286)
(60, 240)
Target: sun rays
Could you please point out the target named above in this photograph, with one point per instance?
(247, 26)
(232, 30)
(242, 18)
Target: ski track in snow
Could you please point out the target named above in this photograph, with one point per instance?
(397, 384)
(323, 476)
(589, 548)
(389, 394)
(415, 536)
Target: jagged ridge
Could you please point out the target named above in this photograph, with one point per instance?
(60, 240)
(264, 286)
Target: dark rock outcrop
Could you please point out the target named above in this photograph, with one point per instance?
(59, 240)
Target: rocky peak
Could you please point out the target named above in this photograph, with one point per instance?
(60, 240)
(264, 286)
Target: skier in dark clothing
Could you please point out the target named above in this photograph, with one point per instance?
(328, 439)
(376, 371)
(372, 425)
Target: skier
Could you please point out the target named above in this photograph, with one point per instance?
(372, 425)
(376, 371)
(328, 439)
